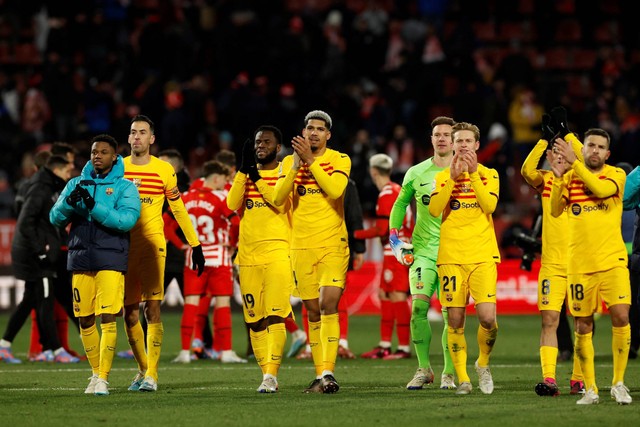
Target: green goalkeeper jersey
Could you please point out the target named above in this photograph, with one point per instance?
(418, 184)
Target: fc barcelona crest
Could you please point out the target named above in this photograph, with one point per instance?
(137, 182)
(109, 191)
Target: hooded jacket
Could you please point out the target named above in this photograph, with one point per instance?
(35, 236)
(99, 238)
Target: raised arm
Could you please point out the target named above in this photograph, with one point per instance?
(333, 181)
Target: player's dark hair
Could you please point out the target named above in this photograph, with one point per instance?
(269, 128)
(214, 167)
(226, 157)
(41, 158)
(106, 138)
(62, 148)
(56, 161)
(174, 155)
(143, 118)
(442, 120)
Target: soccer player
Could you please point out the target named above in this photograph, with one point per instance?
(144, 281)
(101, 207)
(592, 192)
(417, 186)
(317, 176)
(217, 227)
(266, 280)
(552, 278)
(466, 195)
(394, 281)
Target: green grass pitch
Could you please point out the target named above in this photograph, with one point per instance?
(372, 392)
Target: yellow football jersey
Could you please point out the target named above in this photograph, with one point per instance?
(555, 230)
(595, 223)
(265, 229)
(318, 200)
(467, 235)
(156, 181)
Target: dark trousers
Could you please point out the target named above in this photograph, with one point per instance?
(38, 295)
(634, 316)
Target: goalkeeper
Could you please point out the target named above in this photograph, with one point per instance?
(423, 276)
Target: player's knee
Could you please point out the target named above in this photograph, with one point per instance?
(419, 308)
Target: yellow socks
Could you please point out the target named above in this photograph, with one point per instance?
(316, 346)
(548, 360)
(136, 342)
(155, 332)
(276, 338)
(486, 340)
(259, 344)
(91, 343)
(458, 351)
(584, 350)
(330, 335)
(107, 348)
(620, 343)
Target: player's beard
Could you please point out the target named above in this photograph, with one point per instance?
(268, 158)
(594, 165)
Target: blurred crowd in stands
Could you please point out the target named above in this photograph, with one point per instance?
(209, 71)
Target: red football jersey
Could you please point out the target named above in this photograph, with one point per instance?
(213, 222)
(386, 199)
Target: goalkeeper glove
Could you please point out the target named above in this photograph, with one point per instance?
(197, 258)
(401, 250)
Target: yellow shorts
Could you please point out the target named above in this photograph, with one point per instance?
(144, 280)
(318, 267)
(97, 292)
(552, 287)
(266, 290)
(458, 281)
(586, 290)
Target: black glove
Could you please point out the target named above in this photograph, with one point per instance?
(547, 129)
(254, 174)
(559, 115)
(74, 197)
(197, 257)
(86, 197)
(248, 157)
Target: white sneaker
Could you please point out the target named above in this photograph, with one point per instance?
(447, 382)
(590, 397)
(149, 384)
(91, 388)
(422, 377)
(620, 393)
(484, 378)
(183, 357)
(464, 388)
(101, 388)
(230, 356)
(269, 385)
